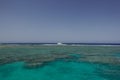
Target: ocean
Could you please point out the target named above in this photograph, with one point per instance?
(59, 62)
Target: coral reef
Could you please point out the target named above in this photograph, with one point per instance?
(35, 56)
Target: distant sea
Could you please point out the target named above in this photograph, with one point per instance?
(62, 43)
(91, 61)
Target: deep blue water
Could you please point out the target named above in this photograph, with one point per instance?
(63, 43)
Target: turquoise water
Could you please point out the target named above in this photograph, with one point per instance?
(91, 68)
(58, 70)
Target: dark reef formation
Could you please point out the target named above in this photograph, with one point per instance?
(34, 58)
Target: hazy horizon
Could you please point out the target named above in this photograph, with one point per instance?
(52, 21)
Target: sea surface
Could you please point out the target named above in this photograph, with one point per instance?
(94, 62)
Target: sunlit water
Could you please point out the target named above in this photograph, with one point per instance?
(61, 70)
(58, 70)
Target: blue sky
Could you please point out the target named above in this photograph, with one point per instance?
(60, 20)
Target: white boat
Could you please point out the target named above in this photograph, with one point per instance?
(59, 43)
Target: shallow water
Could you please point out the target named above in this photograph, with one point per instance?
(58, 70)
(61, 69)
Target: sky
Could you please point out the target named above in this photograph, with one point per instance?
(60, 21)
